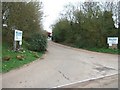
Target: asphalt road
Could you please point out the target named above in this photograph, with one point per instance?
(105, 82)
(61, 65)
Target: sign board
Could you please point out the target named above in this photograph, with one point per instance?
(18, 35)
(112, 40)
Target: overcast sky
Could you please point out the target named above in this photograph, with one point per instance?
(52, 8)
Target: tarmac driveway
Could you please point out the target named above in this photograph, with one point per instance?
(61, 65)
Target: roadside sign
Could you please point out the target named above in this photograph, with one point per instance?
(112, 40)
(18, 35)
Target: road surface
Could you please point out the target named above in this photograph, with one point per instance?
(61, 65)
(105, 82)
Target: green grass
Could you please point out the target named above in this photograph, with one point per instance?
(14, 63)
(104, 50)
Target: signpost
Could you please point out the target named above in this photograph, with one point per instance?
(17, 37)
(112, 41)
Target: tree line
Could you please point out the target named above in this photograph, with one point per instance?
(24, 16)
(86, 25)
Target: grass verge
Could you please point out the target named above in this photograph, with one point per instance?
(14, 62)
(102, 50)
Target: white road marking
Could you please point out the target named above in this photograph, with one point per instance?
(82, 81)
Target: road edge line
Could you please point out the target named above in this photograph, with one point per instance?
(82, 81)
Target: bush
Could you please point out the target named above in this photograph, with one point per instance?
(37, 42)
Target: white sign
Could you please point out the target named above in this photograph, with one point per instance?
(18, 35)
(112, 40)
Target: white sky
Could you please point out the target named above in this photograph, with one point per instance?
(52, 8)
